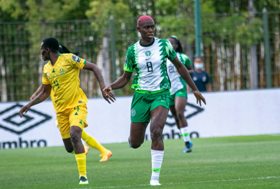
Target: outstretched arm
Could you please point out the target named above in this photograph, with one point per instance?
(122, 81)
(40, 98)
(106, 95)
(40, 89)
(119, 83)
(186, 76)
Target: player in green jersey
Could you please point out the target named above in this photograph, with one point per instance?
(151, 84)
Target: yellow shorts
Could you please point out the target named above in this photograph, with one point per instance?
(76, 116)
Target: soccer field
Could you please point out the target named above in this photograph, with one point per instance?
(227, 162)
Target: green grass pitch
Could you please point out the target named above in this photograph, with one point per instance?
(243, 162)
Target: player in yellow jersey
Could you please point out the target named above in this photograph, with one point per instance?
(61, 76)
(105, 153)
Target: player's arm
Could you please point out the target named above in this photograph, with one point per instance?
(187, 63)
(40, 98)
(122, 81)
(40, 89)
(119, 83)
(186, 76)
(190, 70)
(128, 70)
(106, 95)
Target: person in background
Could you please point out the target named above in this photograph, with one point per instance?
(201, 77)
(178, 90)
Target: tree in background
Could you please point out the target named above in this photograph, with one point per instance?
(228, 33)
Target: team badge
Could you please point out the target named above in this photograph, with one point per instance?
(76, 58)
(133, 112)
(148, 53)
(61, 70)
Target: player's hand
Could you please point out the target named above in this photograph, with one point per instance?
(108, 95)
(199, 97)
(33, 96)
(24, 109)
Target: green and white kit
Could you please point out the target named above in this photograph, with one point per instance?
(151, 82)
(149, 63)
(177, 82)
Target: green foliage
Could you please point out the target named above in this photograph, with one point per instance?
(251, 33)
(224, 22)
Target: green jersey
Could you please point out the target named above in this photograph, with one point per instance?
(149, 62)
(177, 82)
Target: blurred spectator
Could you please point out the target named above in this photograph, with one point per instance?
(201, 77)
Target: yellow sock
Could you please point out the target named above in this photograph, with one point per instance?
(93, 143)
(81, 161)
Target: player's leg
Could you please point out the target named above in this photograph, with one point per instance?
(76, 133)
(158, 119)
(105, 153)
(174, 114)
(180, 104)
(67, 141)
(173, 110)
(137, 134)
(77, 120)
(140, 117)
(68, 145)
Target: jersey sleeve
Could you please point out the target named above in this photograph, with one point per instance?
(186, 60)
(171, 54)
(45, 80)
(77, 61)
(130, 60)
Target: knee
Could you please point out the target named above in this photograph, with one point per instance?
(180, 115)
(74, 137)
(134, 144)
(69, 149)
(156, 134)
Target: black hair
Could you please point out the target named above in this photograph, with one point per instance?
(51, 43)
(63, 49)
(179, 48)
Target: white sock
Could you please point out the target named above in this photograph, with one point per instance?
(157, 157)
(185, 134)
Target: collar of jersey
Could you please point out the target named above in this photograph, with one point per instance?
(56, 61)
(147, 45)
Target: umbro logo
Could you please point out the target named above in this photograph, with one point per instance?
(10, 120)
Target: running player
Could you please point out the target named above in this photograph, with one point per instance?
(105, 153)
(61, 75)
(178, 92)
(151, 84)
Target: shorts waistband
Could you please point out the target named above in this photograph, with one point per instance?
(150, 92)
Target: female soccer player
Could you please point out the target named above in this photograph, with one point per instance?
(178, 92)
(105, 153)
(61, 76)
(151, 84)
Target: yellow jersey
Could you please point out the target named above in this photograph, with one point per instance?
(63, 77)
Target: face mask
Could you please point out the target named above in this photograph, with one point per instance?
(198, 66)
